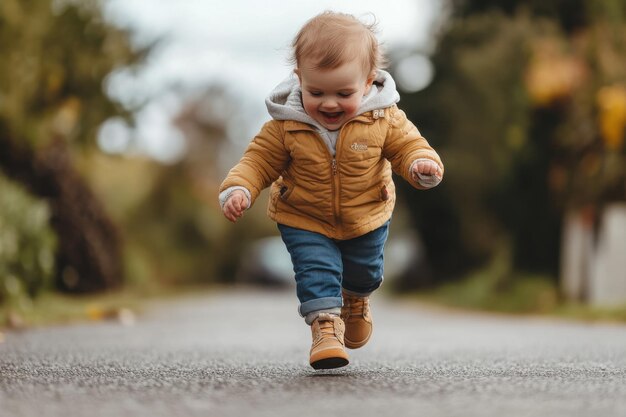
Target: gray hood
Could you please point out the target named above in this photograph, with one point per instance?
(285, 101)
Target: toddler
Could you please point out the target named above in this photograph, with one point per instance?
(328, 153)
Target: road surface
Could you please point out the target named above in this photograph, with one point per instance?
(245, 353)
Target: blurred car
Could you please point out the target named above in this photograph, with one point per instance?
(267, 261)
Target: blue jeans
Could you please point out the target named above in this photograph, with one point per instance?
(323, 265)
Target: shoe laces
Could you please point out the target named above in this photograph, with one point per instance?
(356, 306)
(326, 324)
(327, 327)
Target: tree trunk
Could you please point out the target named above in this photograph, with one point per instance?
(89, 247)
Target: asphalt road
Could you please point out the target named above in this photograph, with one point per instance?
(244, 353)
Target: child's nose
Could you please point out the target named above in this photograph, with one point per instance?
(329, 103)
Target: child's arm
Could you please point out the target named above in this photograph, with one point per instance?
(262, 163)
(410, 154)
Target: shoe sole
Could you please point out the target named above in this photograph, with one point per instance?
(355, 345)
(330, 363)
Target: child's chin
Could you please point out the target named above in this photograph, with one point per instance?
(333, 124)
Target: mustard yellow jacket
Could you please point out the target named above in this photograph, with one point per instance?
(341, 197)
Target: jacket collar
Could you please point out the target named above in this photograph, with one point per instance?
(366, 118)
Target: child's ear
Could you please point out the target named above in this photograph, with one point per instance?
(372, 77)
(370, 81)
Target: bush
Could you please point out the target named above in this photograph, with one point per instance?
(27, 245)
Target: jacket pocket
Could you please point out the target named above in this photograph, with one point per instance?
(285, 191)
(384, 193)
(388, 192)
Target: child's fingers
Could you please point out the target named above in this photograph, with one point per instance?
(235, 206)
(424, 168)
(239, 203)
(230, 212)
(236, 210)
(233, 216)
(430, 168)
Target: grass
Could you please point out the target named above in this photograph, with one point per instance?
(498, 288)
(53, 308)
(517, 294)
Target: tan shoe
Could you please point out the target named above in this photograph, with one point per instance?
(327, 350)
(358, 320)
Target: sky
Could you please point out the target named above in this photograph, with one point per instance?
(243, 44)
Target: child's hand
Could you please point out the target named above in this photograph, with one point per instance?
(235, 205)
(426, 167)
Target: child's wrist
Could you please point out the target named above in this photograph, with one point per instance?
(227, 193)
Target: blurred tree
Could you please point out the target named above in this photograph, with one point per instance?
(209, 121)
(56, 54)
(528, 108)
(571, 14)
(474, 114)
(588, 91)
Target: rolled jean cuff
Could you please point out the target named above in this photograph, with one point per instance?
(362, 292)
(319, 304)
(310, 318)
(357, 294)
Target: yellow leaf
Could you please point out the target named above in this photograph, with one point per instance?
(552, 74)
(95, 313)
(612, 115)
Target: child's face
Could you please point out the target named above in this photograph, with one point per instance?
(333, 96)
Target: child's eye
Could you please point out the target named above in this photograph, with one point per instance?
(315, 93)
(345, 94)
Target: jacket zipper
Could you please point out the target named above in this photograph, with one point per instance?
(336, 185)
(334, 167)
(334, 176)
(336, 179)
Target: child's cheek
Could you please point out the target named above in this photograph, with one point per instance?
(350, 108)
(309, 107)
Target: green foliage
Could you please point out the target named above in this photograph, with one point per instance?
(497, 288)
(27, 246)
(55, 56)
(174, 230)
(525, 294)
(521, 294)
(571, 14)
(475, 113)
(183, 232)
(528, 110)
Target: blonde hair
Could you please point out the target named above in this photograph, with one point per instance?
(330, 39)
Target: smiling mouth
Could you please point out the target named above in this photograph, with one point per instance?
(331, 116)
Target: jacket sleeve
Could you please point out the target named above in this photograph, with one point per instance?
(262, 162)
(404, 144)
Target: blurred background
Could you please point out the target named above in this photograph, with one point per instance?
(120, 118)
